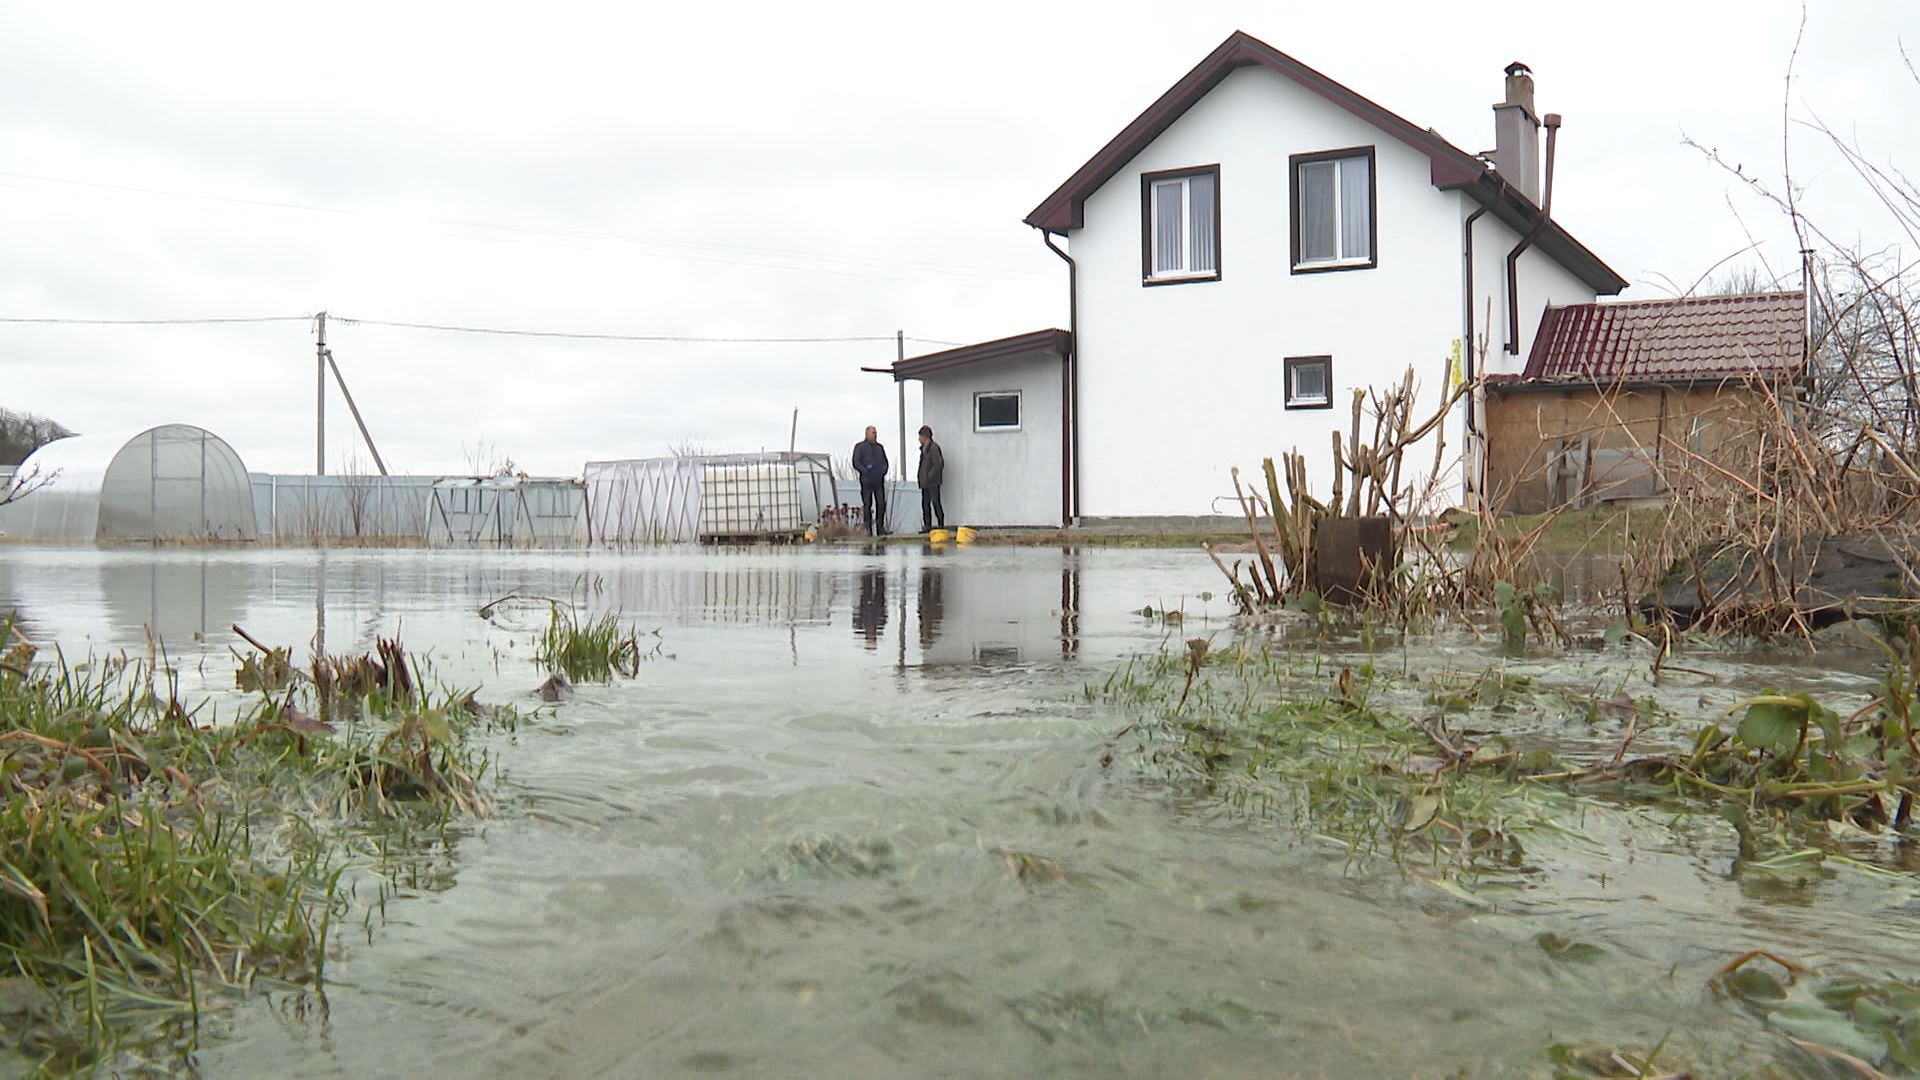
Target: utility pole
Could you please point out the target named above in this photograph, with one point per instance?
(899, 354)
(320, 396)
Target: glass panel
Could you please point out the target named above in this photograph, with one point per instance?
(1203, 207)
(1316, 212)
(1168, 244)
(1310, 381)
(1356, 217)
(997, 410)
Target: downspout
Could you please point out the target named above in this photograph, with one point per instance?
(1475, 483)
(1069, 393)
(1539, 226)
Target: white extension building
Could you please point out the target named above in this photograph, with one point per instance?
(1253, 248)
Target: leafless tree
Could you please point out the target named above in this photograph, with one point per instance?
(357, 487)
(1864, 294)
(484, 458)
(23, 433)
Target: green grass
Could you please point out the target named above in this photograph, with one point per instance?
(1596, 531)
(589, 649)
(153, 862)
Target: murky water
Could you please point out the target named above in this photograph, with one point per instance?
(853, 822)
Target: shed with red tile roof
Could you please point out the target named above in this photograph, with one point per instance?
(1614, 395)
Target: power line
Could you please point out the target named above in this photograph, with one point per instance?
(584, 336)
(160, 322)
(578, 335)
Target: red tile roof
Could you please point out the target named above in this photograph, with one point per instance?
(1688, 339)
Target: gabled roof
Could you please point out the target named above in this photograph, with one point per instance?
(1056, 342)
(1451, 168)
(1688, 339)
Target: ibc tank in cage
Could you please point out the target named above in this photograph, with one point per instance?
(756, 500)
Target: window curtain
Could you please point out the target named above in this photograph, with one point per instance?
(1316, 213)
(1203, 206)
(1169, 248)
(1356, 210)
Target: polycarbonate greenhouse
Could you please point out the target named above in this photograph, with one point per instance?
(171, 484)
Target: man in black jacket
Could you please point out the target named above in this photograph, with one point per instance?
(933, 469)
(870, 464)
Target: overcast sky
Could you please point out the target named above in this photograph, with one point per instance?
(748, 170)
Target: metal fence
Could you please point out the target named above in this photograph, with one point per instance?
(430, 510)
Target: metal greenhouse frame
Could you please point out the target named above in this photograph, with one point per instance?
(680, 500)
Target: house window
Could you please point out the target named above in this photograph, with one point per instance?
(998, 410)
(1309, 382)
(1333, 211)
(1180, 225)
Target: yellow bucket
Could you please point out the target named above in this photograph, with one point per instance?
(938, 536)
(964, 535)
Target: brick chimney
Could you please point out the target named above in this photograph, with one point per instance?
(1516, 134)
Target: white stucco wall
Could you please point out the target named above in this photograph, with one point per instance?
(1180, 383)
(1542, 282)
(996, 477)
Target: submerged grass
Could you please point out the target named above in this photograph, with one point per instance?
(1439, 775)
(589, 649)
(155, 864)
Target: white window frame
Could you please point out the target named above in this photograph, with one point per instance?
(1291, 365)
(1019, 404)
(1181, 179)
(1338, 160)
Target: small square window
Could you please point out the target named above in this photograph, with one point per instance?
(997, 411)
(1309, 382)
(1180, 225)
(1333, 215)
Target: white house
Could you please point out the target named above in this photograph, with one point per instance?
(1253, 247)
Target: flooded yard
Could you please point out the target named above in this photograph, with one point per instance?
(873, 813)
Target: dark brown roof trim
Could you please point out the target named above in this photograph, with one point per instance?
(1006, 348)
(1514, 384)
(1451, 168)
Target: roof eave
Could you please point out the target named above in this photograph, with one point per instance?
(1064, 209)
(1520, 214)
(1052, 340)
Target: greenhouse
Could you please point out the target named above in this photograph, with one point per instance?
(171, 484)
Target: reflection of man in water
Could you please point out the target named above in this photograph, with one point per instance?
(932, 605)
(870, 613)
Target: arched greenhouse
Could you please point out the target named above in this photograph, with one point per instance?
(171, 484)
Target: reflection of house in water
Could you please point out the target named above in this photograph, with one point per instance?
(997, 616)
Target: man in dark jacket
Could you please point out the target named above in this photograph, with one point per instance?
(933, 470)
(870, 464)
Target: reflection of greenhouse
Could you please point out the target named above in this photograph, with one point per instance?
(173, 483)
(789, 596)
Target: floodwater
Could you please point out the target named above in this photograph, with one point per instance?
(853, 821)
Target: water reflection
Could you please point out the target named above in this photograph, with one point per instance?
(932, 605)
(870, 612)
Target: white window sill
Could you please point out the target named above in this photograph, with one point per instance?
(1169, 278)
(1334, 264)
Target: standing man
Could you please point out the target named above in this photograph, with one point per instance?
(933, 469)
(870, 464)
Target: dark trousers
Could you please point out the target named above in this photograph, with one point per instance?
(873, 505)
(930, 508)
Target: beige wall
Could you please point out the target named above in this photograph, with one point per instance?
(1525, 428)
